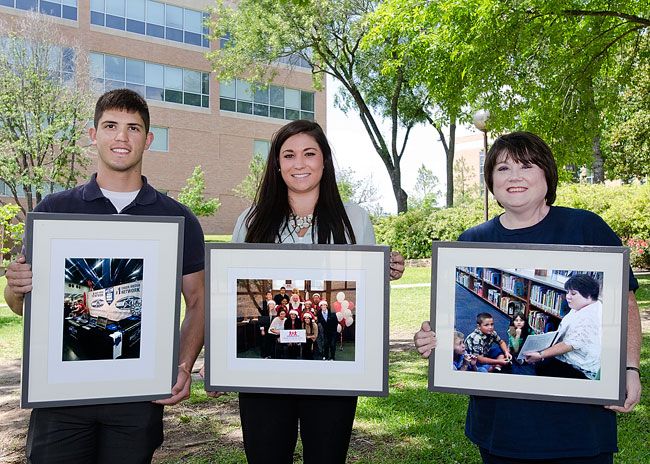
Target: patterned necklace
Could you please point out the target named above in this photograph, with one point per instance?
(300, 222)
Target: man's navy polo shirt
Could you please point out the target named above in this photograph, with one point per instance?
(88, 199)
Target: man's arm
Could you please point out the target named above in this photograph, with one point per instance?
(633, 381)
(19, 282)
(191, 335)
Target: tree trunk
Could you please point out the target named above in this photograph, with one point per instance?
(450, 163)
(597, 165)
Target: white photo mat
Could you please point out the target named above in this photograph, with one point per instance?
(612, 261)
(50, 381)
(366, 266)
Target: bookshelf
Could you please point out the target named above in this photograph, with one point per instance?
(538, 293)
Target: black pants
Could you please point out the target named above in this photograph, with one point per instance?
(603, 458)
(329, 350)
(270, 427)
(552, 367)
(125, 433)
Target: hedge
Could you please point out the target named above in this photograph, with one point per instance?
(626, 208)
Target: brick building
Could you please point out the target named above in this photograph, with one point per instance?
(157, 48)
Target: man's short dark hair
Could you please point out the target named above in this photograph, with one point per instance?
(283, 288)
(584, 284)
(481, 317)
(525, 148)
(122, 100)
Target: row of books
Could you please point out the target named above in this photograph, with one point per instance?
(541, 322)
(492, 276)
(462, 279)
(552, 300)
(511, 306)
(514, 285)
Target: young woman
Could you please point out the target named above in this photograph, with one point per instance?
(298, 202)
(521, 173)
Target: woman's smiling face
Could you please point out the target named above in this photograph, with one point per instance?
(517, 186)
(301, 163)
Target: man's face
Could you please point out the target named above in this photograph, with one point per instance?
(487, 326)
(324, 308)
(120, 139)
(268, 296)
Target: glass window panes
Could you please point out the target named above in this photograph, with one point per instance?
(165, 83)
(261, 95)
(135, 71)
(292, 99)
(115, 7)
(205, 83)
(228, 89)
(285, 103)
(243, 90)
(306, 101)
(97, 5)
(174, 17)
(96, 65)
(262, 147)
(277, 95)
(155, 12)
(193, 21)
(160, 141)
(192, 81)
(114, 67)
(135, 9)
(173, 78)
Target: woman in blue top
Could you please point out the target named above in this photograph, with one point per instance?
(521, 173)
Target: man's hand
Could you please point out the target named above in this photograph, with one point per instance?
(425, 340)
(19, 282)
(632, 391)
(180, 391)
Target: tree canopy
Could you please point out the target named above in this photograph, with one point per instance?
(192, 195)
(326, 34)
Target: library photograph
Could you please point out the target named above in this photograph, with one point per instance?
(534, 322)
(288, 319)
(102, 308)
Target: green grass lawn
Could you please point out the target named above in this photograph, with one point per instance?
(217, 238)
(414, 275)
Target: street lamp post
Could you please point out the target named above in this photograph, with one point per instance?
(480, 122)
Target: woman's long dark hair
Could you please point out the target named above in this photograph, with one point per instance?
(270, 211)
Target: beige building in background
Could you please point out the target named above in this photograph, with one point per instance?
(158, 49)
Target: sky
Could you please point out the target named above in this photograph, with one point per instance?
(353, 150)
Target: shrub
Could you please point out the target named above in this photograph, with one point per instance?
(626, 208)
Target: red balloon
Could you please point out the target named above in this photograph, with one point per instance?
(337, 306)
(350, 305)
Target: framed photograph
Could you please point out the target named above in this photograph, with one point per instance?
(101, 323)
(300, 319)
(542, 322)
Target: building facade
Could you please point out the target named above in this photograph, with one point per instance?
(158, 49)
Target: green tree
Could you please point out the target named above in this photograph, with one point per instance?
(43, 109)
(327, 35)
(565, 65)
(11, 230)
(466, 187)
(192, 195)
(247, 189)
(426, 191)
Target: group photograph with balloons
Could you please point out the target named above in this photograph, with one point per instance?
(298, 319)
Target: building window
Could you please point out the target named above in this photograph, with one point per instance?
(262, 147)
(155, 19)
(60, 60)
(160, 138)
(273, 101)
(151, 80)
(66, 9)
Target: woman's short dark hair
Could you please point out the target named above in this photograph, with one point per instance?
(270, 212)
(584, 284)
(525, 148)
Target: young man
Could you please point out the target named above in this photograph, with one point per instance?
(127, 433)
(281, 296)
(329, 322)
(483, 343)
